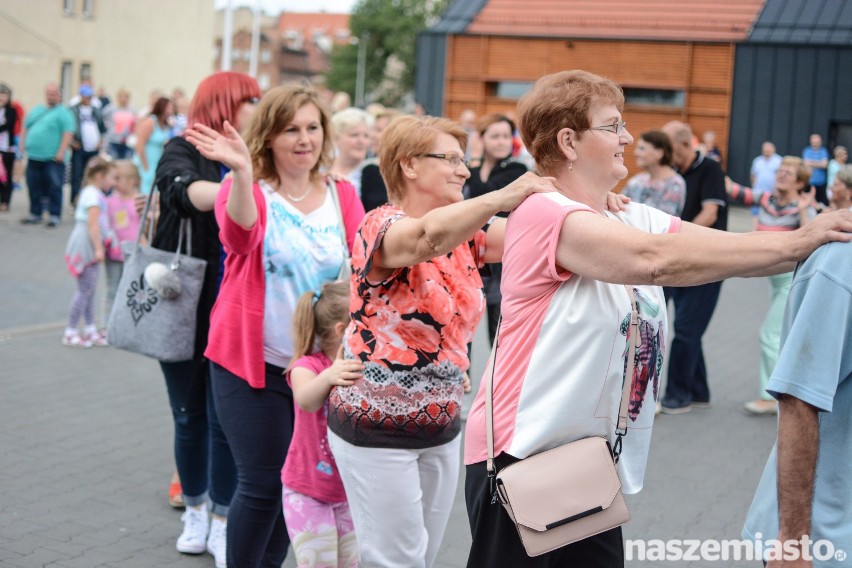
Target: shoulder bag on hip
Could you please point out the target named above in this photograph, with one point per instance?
(156, 304)
(570, 492)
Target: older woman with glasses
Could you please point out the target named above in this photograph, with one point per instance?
(416, 299)
(786, 208)
(560, 360)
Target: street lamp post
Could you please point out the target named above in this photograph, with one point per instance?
(361, 69)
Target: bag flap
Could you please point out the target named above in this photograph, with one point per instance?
(561, 485)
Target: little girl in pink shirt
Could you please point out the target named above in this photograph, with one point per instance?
(124, 221)
(315, 507)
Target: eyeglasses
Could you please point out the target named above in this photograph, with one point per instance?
(454, 159)
(617, 128)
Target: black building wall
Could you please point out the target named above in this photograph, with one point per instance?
(783, 94)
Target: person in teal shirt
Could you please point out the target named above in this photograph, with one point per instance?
(49, 130)
(805, 488)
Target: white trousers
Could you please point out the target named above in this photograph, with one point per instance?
(400, 500)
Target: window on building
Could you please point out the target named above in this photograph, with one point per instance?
(653, 97)
(68, 7)
(88, 8)
(266, 56)
(65, 79)
(508, 89)
(263, 81)
(85, 72)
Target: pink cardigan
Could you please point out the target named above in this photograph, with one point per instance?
(236, 322)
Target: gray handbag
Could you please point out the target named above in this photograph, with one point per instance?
(156, 304)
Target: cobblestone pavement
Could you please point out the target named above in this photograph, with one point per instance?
(85, 435)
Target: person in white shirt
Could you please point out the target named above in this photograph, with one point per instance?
(88, 136)
(764, 168)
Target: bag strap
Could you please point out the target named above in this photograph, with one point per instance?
(621, 425)
(185, 228)
(335, 196)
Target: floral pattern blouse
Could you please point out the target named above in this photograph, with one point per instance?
(411, 332)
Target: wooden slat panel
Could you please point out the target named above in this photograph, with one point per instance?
(629, 63)
(712, 66)
(708, 104)
(464, 57)
(521, 61)
(466, 89)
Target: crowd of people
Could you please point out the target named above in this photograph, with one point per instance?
(352, 254)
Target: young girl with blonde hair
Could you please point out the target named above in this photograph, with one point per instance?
(86, 249)
(315, 508)
(123, 220)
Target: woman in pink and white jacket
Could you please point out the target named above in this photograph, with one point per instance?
(280, 227)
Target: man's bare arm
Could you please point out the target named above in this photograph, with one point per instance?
(798, 444)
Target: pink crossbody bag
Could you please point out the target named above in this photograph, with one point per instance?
(570, 492)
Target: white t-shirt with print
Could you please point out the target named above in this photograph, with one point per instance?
(562, 345)
(89, 133)
(300, 253)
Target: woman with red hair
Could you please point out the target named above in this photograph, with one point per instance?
(188, 184)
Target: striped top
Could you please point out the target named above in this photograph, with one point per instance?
(771, 215)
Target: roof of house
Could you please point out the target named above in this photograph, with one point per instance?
(811, 22)
(676, 20)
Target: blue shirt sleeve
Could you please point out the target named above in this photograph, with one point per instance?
(816, 354)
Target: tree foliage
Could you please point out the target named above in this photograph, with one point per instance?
(389, 28)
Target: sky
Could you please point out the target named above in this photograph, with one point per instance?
(276, 6)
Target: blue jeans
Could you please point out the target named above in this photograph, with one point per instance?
(203, 458)
(44, 181)
(79, 159)
(259, 426)
(120, 151)
(687, 381)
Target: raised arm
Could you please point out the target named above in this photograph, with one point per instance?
(229, 149)
(610, 251)
(411, 241)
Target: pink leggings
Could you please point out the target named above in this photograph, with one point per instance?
(322, 534)
(83, 302)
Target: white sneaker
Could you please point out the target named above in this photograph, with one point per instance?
(217, 542)
(196, 524)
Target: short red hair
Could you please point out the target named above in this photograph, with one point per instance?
(219, 96)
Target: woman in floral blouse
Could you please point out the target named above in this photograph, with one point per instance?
(416, 299)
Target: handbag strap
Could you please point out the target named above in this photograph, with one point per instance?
(621, 425)
(336, 198)
(185, 228)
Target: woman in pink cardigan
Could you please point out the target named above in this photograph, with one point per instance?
(282, 233)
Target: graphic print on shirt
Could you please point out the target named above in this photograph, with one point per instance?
(648, 357)
(325, 465)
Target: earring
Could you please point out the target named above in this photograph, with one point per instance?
(570, 165)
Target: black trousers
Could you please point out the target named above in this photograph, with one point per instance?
(258, 424)
(496, 542)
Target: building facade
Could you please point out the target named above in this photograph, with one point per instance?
(141, 46)
(674, 60)
(791, 80)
